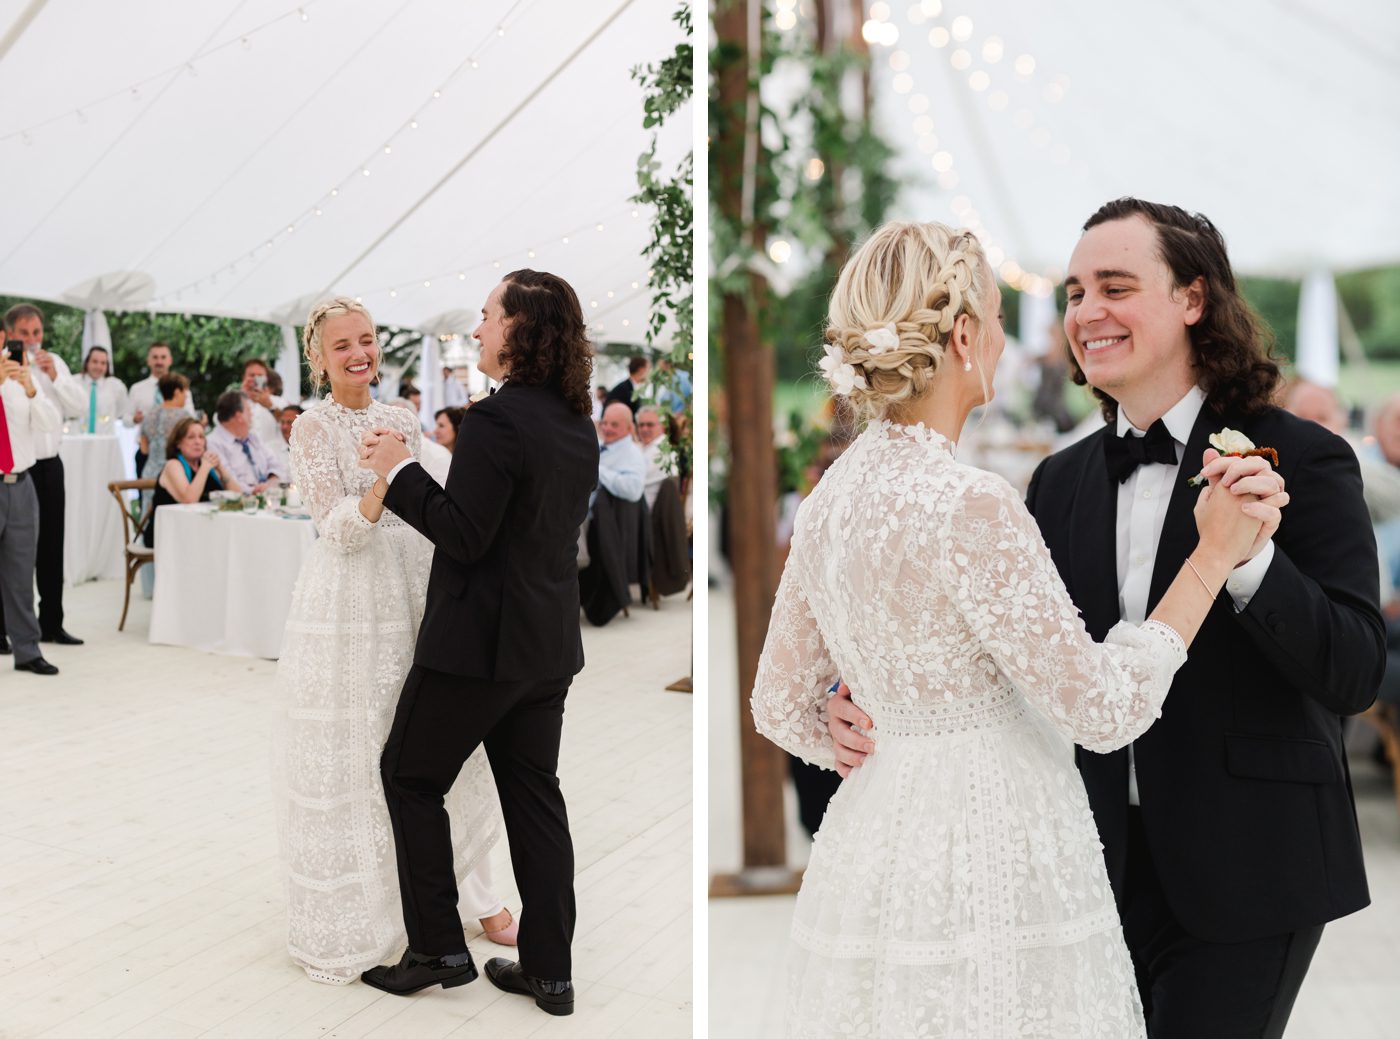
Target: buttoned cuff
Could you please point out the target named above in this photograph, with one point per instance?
(1245, 580)
(409, 461)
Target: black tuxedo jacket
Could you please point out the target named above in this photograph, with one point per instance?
(503, 592)
(1245, 793)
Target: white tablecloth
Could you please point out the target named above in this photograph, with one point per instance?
(224, 580)
(92, 529)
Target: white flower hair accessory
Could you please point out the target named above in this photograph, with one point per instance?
(882, 339)
(842, 376)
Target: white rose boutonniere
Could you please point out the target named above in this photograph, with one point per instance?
(883, 339)
(1235, 444)
(842, 376)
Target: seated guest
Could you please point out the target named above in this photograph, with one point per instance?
(104, 395)
(172, 391)
(621, 467)
(190, 474)
(600, 398)
(628, 390)
(649, 432)
(1316, 403)
(449, 421)
(286, 418)
(249, 460)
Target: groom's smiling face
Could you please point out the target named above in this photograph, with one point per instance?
(1127, 323)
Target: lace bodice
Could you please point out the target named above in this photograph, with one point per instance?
(325, 466)
(926, 586)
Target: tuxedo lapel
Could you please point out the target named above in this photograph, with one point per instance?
(1093, 577)
(1179, 535)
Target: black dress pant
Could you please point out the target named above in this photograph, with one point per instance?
(1194, 989)
(441, 719)
(47, 474)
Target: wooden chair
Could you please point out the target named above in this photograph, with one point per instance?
(137, 554)
(1386, 719)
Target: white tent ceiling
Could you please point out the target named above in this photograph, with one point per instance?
(153, 150)
(1276, 118)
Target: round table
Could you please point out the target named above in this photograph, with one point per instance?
(224, 579)
(92, 529)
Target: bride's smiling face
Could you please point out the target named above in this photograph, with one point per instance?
(349, 350)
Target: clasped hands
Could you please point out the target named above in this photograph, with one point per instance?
(1252, 480)
(381, 449)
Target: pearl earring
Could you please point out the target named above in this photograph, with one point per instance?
(967, 366)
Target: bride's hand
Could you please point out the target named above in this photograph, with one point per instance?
(852, 747)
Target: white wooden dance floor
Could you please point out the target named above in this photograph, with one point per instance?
(1352, 990)
(139, 889)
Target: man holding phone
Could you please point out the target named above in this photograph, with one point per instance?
(24, 415)
(52, 380)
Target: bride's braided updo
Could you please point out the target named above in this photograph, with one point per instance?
(311, 333)
(893, 310)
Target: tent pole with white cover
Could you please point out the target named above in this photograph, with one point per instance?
(1035, 313)
(1319, 345)
(289, 365)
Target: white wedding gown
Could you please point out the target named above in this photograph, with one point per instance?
(350, 634)
(957, 886)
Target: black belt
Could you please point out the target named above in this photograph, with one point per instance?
(14, 477)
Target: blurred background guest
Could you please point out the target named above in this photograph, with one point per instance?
(628, 391)
(257, 387)
(191, 472)
(251, 462)
(448, 423)
(104, 395)
(454, 394)
(649, 430)
(621, 468)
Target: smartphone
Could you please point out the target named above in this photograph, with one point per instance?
(14, 349)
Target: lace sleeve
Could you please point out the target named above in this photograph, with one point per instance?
(1004, 583)
(316, 471)
(794, 674)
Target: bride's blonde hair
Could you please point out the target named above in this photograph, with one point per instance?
(311, 334)
(914, 279)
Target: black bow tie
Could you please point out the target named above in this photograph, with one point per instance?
(1124, 454)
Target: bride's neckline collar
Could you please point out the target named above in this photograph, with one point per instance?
(343, 407)
(918, 432)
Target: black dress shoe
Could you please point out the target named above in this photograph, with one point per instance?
(38, 665)
(414, 973)
(553, 997)
(62, 638)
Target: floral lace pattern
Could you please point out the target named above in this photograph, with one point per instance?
(957, 886)
(350, 634)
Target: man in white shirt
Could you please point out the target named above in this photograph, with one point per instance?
(454, 394)
(144, 396)
(265, 403)
(56, 384)
(650, 426)
(251, 462)
(24, 415)
(621, 468)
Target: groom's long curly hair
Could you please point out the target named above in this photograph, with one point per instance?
(547, 343)
(1231, 347)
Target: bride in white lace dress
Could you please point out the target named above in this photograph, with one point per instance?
(957, 886)
(350, 636)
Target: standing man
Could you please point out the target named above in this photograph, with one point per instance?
(454, 394)
(1228, 828)
(144, 396)
(265, 403)
(24, 415)
(53, 381)
(499, 644)
(628, 390)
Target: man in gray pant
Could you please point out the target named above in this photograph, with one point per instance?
(23, 413)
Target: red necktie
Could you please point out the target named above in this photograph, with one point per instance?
(7, 456)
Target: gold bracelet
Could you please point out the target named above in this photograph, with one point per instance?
(1200, 578)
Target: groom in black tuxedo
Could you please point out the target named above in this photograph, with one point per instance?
(499, 643)
(1228, 828)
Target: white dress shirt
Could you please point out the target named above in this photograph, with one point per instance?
(144, 397)
(656, 471)
(1142, 509)
(454, 394)
(622, 470)
(63, 393)
(111, 402)
(27, 418)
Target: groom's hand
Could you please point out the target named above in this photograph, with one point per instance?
(381, 450)
(852, 747)
(1255, 482)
